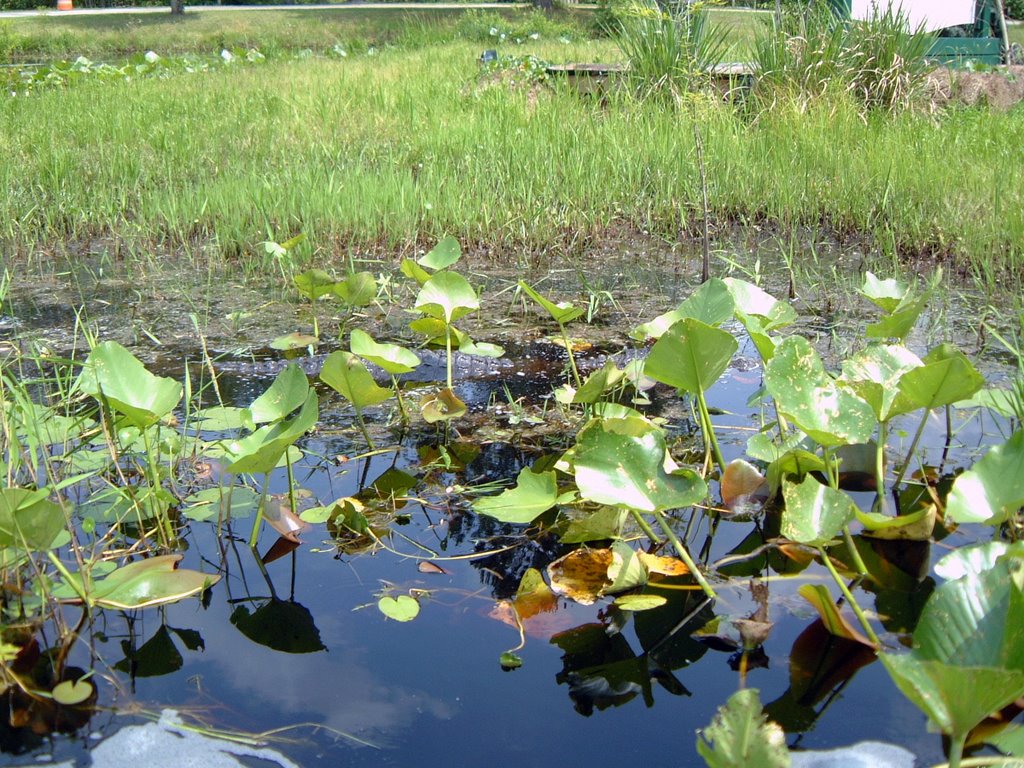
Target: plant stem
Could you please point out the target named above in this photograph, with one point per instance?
(259, 513)
(362, 427)
(709, 430)
(645, 527)
(858, 561)
(572, 358)
(448, 351)
(684, 555)
(291, 482)
(849, 597)
(956, 750)
(913, 447)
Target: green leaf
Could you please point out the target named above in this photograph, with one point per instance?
(293, 341)
(234, 503)
(809, 397)
(145, 583)
(392, 358)
(70, 693)
(447, 296)
(401, 608)
(874, 374)
(443, 405)
(345, 374)
(638, 603)
(712, 304)
(946, 377)
(411, 269)
(260, 451)
(510, 661)
(479, 349)
(740, 736)
(115, 376)
(625, 462)
(835, 623)
(814, 513)
(314, 283)
(562, 312)
(29, 520)
(884, 294)
(992, 490)
(286, 393)
(358, 289)
(975, 559)
(605, 523)
(752, 301)
(690, 356)
(533, 494)
(442, 255)
(598, 383)
(899, 324)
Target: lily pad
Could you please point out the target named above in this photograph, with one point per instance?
(71, 693)
(357, 290)
(29, 520)
(691, 356)
(534, 494)
(261, 451)
(393, 358)
(286, 393)
(712, 304)
(142, 584)
(292, 341)
(741, 736)
(447, 296)
(401, 608)
(814, 513)
(442, 255)
(345, 374)
(443, 405)
(562, 312)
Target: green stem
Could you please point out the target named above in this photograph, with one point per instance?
(572, 358)
(883, 437)
(858, 561)
(291, 483)
(645, 527)
(685, 556)
(956, 750)
(913, 447)
(401, 400)
(995, 761)
(709, 431)
(448, 351)
(259, 514)
(362, 427)
(849, 597)
(153, 478)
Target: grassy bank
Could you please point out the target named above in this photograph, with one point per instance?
(409, 144)
(106, 37)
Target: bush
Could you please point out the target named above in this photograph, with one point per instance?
(1014, 8)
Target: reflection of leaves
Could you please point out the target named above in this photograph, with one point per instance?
(157, 656)
(279, 625)
(740, 736)
(818, 664)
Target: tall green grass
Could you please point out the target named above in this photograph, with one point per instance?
(406, 145)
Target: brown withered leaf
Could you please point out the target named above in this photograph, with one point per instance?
(666, 566)
(581, 575)
(425, 566)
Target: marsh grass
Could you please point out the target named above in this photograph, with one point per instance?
(409, 144)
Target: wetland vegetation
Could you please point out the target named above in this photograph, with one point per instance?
(361, 345)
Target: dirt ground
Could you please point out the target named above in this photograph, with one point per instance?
(999, 89)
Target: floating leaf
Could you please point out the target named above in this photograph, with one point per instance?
(581, 575)
(401, 608)
(605, 523)
(835, 622)
(740, 736)
(234, 502)
(992, 490)
(691, 356)
(743, 486)
(917, 526)
(116, 377)
(292, 341)
(625, 462)
(814, 513)
(534, 596)
(665, 566)
(480, 349)
(70, 693)
(144, 583)
(280, 517)
(442, 255)
(533, 494)
(392, 358)
(447, 296)
(808, 396)
(443, 405)
(561, 313)
(426, 566)
(510, 661)
(900, 323)
(345, 374)
(639, 602)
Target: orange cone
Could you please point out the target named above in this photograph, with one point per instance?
(64, 5)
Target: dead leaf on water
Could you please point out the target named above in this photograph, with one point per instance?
(581, 575)
(665, 566)
(426, 566)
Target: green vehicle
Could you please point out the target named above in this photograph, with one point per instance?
(966, 30)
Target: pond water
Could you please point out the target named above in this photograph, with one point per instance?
(297, 643)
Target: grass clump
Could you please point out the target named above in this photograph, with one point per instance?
(812, 54)
(669, 51)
